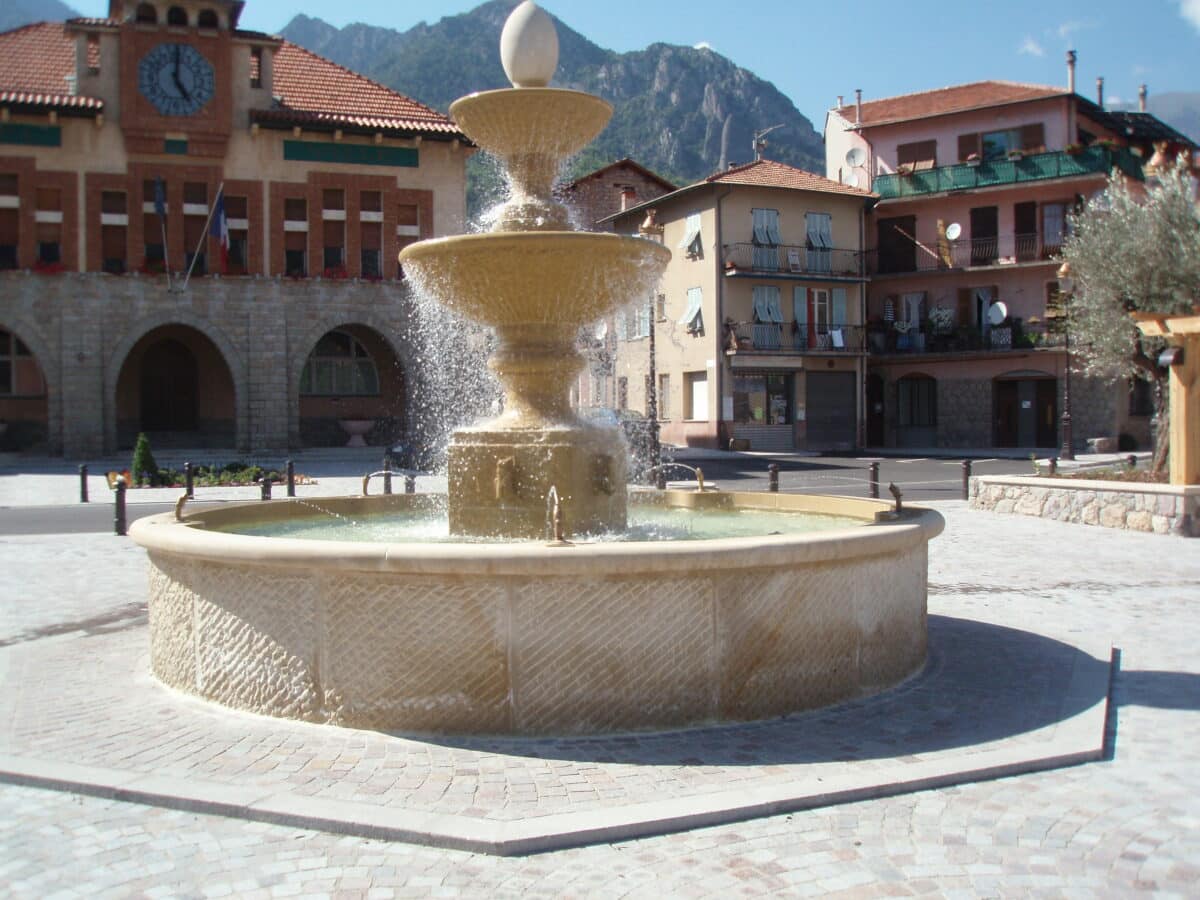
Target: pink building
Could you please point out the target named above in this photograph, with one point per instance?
(975, 183)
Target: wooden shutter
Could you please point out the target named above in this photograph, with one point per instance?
(968, 144)
(112, 242)
(919, 155)
(1033, 137)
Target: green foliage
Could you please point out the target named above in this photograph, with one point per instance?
(143, 464)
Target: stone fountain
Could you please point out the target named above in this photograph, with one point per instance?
(535, 283)
(520, 636)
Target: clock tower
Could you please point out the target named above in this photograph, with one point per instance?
(176, 84)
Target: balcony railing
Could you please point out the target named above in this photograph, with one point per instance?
(760, 337)
(792, 259)
(964, 253)
(1035, 167)
(1020, 336)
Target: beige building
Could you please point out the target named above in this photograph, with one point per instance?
(121, 139)
(758, 321)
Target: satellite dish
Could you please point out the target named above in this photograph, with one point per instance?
(856, 156)
(997, 312)
(953, 231)
(852, 179)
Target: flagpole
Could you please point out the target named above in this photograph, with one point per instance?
(204, 235)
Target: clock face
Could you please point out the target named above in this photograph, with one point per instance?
(176, 79)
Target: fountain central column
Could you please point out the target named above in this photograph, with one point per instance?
(536, 283)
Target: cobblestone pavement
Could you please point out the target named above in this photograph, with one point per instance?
(1108, 828)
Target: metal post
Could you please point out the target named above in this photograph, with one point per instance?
(266, 487)
(773, 478)
(410, 484)
(387, 473)
(1068, 450)
(83, 476)
(119, 512)
(966, 479)
(1132, 460)
(874, 470)
(189, 483)
(291, 478)
(1054, 465)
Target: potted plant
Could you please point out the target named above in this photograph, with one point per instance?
(974, 159)
(1015, 154)
(1073, 149)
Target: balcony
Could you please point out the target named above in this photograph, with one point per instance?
(760, 337)
(965, 253)
(784, 260)
(990, 173)
(1018, 336)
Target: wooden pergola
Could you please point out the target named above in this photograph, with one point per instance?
(1182, 332)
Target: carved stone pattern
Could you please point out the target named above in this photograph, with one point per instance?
(172, 651)
(889, 609)
(423, 654)
(608, 654)
(257, 639)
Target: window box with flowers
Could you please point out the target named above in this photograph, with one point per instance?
(42, 267)
(335, 273)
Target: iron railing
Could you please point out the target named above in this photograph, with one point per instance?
(1019, 336)
(1092, 160)
(769, 337)
(792, 259)
(964, 253)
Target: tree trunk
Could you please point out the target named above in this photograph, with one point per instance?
(1162, 418)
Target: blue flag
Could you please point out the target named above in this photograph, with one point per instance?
(160, 200)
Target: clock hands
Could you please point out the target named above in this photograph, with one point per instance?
(175, 77)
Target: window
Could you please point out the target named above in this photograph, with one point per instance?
(819, 241)
(768, 317)
(917, 401)
(295, 237)
(154, 258)
(335, 248)
(195, 234)
(372, 250)
(295, 209)
(1029, 138)
(10, 219)
(997, 144)
(821, 310)
(695, 398)
(176, 16)
(918, 155)
(408, 225)
(761, 399)
(765, 237)
(664, 396)
(236, 213)
(256, 67)
(691, 243)
(660, 308)
(637, 322)
(1054, 227)
(985, 235)
(693, 317)
(622, 393)
(48, 227)
(114, 230)
(146, 14)
(207, 19)
(339, 366)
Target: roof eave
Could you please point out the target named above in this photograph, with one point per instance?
(863, 126)
(303, 120)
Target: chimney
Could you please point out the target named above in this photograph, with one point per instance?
(1143, 94)
(1100, 91)
(840, 103)
(628, 197)
(858, 106)
(1071, 71)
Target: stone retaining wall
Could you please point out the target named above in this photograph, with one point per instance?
(1159, 508)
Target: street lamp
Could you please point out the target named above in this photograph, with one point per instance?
(1066, 287)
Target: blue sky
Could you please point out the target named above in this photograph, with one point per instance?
(813, 52)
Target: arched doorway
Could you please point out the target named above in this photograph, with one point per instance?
(23, 397)
(352, 375)
(176, 386)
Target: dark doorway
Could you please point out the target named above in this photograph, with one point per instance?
(169, 387)
(875, 418)
(1025, 231)
(897, 244)
(1026, 412)
(1047, 413)
(985, 233)
(1006, 406)
(831, 411)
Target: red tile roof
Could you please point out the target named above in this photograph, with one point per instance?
(315, 90)
(943, 101)
(37, 59)
(769, 173)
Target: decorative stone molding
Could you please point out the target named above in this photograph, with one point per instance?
(1158, 508)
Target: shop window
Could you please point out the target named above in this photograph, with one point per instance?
(339, 366)
(762, 399)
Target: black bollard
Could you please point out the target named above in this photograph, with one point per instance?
(189, 481)
(119, 512)
(410, 484)
(874, 475)
(83, 494)
(773, 478)
(291, 478)
(1054, 465)
(387, 473)
(266, 488)
(966, 484)
(1132, 460)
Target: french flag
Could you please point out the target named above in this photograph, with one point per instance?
(220, 230)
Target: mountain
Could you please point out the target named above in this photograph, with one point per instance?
(679, 111)
(15, 13)
(1179, 109)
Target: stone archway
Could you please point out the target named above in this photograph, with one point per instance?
(176, 385)
(25, 420)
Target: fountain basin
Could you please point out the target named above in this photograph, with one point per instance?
(524, 638)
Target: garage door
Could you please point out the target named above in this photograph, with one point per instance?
(830, 410)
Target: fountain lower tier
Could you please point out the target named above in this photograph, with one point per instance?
(524, 638)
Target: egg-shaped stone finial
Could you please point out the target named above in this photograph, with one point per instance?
(529, 46)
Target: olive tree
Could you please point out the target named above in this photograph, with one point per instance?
(1133, 248)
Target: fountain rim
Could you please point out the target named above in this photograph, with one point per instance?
(547, 239)
(191, 538)
(529, 92)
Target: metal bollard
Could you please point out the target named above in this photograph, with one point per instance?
(189, 481)
(966, 479)
(1054, 465)
(387, 473)
(1132, 460)
(266, 488)
(83, 475)
(773, 478)
(874, 476)
(119, 512)
(410, 484)
(291, 478)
